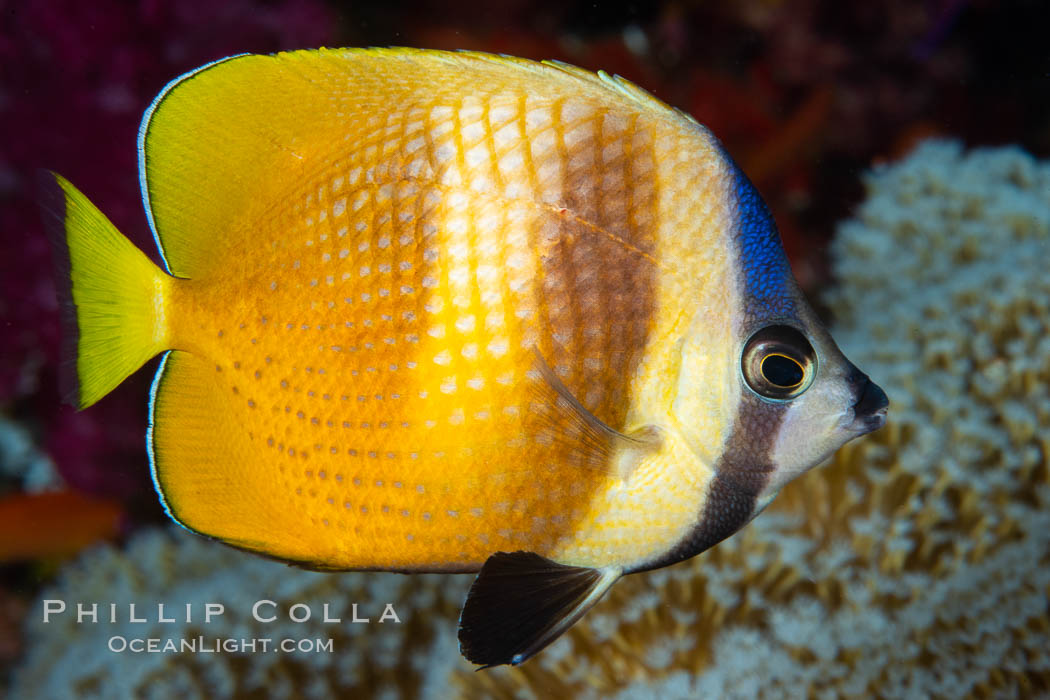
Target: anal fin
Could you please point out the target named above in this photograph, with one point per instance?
(520, 602)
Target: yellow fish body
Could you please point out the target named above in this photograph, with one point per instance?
(428, 310)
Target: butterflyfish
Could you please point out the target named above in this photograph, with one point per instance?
(428, 311)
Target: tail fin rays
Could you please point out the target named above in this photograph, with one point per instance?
(113, 297)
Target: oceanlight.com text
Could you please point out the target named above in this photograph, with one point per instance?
(215, 645)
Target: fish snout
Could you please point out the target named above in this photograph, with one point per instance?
(870, 404)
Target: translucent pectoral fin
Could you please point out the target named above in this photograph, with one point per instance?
(586, 440)
(521, 602)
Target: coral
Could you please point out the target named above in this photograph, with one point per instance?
(917, 562)
(22, 462)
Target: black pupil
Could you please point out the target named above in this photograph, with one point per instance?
(781, 371)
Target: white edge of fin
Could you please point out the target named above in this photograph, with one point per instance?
(141, 148)
(149, 440)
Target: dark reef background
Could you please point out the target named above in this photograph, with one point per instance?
(806, 95)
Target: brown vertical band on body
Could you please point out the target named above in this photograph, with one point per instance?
(596, 299)
(741, 473)
(598, 280)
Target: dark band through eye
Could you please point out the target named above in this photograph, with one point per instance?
(782, 371)
(778, 363)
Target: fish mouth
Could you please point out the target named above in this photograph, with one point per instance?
(870, 407)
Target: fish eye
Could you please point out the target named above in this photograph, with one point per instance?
(778, 363)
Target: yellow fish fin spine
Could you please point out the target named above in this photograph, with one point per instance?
(615, 84)
(114, 298)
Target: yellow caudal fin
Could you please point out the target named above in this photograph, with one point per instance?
(113, 297)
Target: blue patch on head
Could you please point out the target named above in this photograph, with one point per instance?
(767, 274)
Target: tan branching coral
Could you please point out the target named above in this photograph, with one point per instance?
(916, 563)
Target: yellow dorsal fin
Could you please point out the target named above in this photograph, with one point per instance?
(222, 145)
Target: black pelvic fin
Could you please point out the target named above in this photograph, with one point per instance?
(521, 602)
